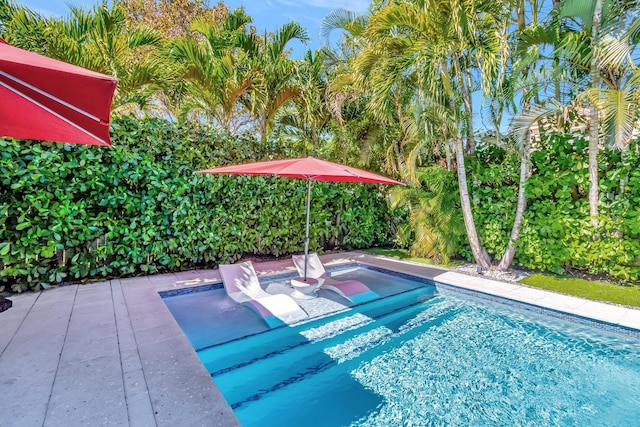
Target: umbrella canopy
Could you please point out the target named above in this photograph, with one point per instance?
(45, 99)
(310, 169)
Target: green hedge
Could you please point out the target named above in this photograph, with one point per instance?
(70, 213)
(557, 234)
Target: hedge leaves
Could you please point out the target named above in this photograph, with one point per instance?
(70, 213)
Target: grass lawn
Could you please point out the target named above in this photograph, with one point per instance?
(597, 291)
(404, 254)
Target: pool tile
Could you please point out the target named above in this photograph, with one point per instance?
(476, 283)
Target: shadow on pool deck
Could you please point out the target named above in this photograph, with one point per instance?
(111, 353)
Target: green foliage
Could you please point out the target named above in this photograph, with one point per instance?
(70, 213)
(556, 233)
(434, 224)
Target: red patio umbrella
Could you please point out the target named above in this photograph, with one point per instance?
(307, 168)
(45, 99)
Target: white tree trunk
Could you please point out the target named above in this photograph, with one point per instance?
(480, 255)
(593, 118)
(510, 252)
(521, 206)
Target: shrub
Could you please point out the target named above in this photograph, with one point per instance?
(557, 233)
(71, 213)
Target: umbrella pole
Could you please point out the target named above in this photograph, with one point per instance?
(306, 236)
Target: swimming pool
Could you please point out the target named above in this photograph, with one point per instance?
(420, 356)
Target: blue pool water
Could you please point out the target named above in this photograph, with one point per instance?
(418, 357)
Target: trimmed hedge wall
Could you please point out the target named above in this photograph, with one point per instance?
(70, 213)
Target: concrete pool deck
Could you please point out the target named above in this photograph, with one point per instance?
(111, 353)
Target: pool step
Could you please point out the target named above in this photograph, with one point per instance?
(220, 358)
(262, 377)
(291, 354)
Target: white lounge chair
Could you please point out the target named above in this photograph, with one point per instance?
(242, 285)
(353, 290)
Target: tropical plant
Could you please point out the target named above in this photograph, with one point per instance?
(520, 79)
(357, 136)
(557, 234)
(440, 47)
(306, 119)
(274, 80)
(602, 45)
(98, 39)
(216, 71)
(434, 213)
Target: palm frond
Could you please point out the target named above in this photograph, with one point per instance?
(614, 52)
(522, 123)
(619, 110)
(342, 19)
(285, 34)
(580, 9)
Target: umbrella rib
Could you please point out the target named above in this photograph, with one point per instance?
(48, 95)
(352, 173)
(69, 122)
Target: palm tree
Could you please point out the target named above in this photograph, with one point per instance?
(602, 49)
(519, 79)
(594, 72)
(434, 213)
(618, 102)
(23, 27)
(615, 104)
(359, 134)
(274, 74)
(307, 117)
(438, 45)
(216, 71)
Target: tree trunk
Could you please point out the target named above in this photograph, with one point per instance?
(466, 100)
(263, 127)
(593, 167)
(593, 118)
(521, 206)
(510, 252)
(480, 255)
(556, 64)
(447, 153)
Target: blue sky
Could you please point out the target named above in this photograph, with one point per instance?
(267, 14)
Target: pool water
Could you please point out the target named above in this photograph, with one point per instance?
(422, 357)
(208, 317)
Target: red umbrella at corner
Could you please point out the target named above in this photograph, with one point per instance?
(309, 169)
(45, 99)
